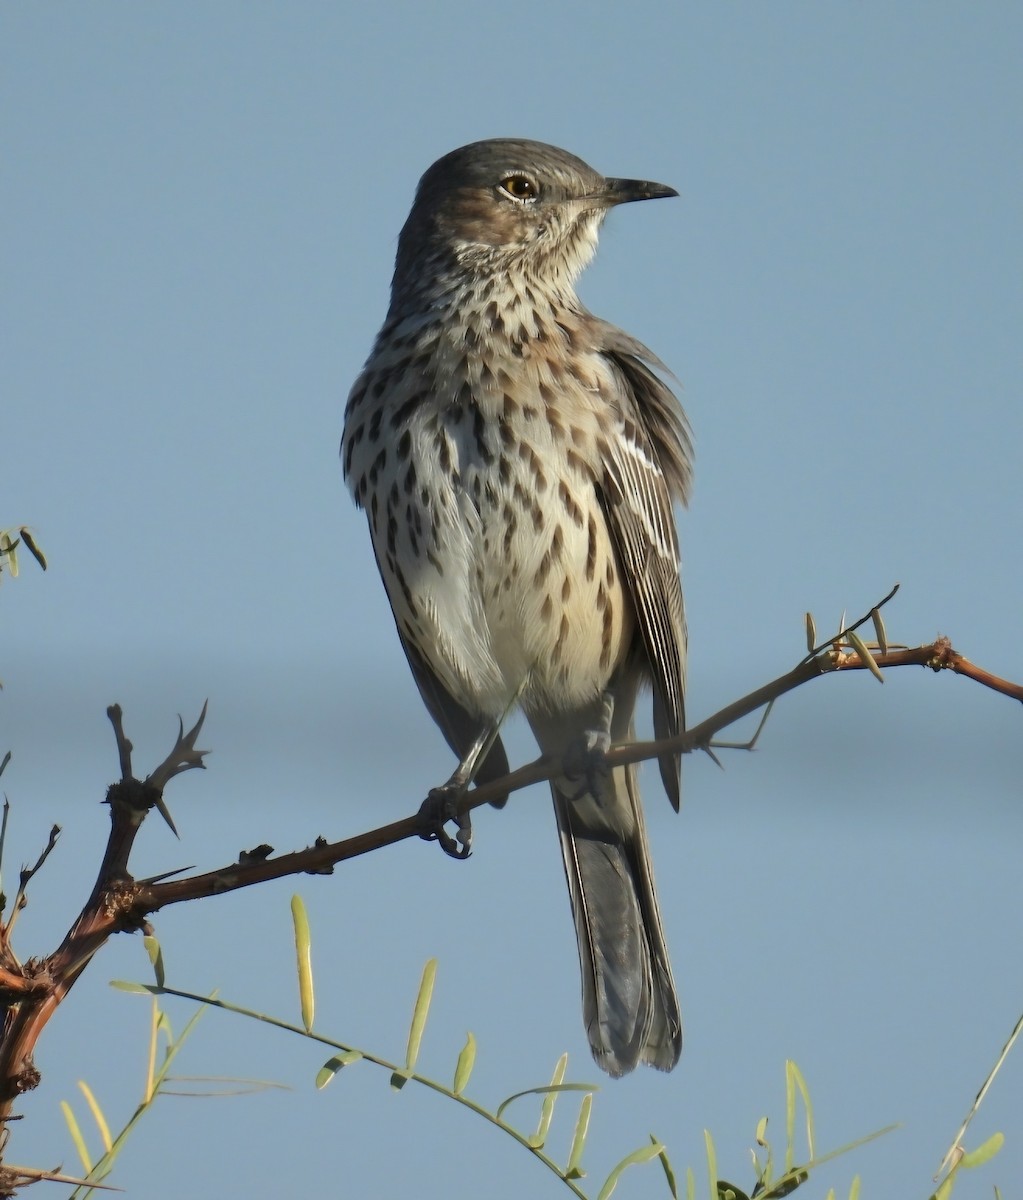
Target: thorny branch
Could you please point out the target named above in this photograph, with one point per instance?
(829, 658)
(30, 993)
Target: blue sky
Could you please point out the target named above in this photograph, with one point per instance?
(201, 204)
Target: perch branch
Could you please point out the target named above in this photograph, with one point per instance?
(30, 994)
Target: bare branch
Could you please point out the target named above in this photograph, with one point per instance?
(20, 899)
(124, 747)
(831, 658)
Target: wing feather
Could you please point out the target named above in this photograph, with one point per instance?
(648, 465)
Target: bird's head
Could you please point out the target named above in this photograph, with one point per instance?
(508, 205)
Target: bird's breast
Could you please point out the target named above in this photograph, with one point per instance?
(479, 465)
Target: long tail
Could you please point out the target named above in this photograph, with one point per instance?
(629, 1004)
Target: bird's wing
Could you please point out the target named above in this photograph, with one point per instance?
(648, 464)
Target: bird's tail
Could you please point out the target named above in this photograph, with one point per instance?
(629, 1004)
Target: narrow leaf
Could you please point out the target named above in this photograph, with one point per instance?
(582, 1125)
(643, 1155)
(945, 1189)
(854, 1188)
(880, 634)
(804, 1092)
(712, 1164)
(304, 956)
(97, 1115)
(669, 1170)
(335, 1065)
(420, 1013)
(547, 1107)
(811, 632)
(154, 1042)
(985, 1152)
(539, 1091)
(790, 1113)
(8, 551)
(465, 1064)
(155, 952)
(860, 646)
(33, 548)
(690, 1184)
(76, 1136)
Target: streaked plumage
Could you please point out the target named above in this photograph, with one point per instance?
(518, 459)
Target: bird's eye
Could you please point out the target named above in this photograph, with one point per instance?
(519, 187)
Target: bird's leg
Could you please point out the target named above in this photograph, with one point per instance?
(443, 803)
(585, 759)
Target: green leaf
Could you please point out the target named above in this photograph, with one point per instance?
(155, 953)
(136, 989)
(419, 1014)
(547, 1107)
(76, 1136)
(643, 1155)
(669, 1170)
(804, 1092)
(985, 1152)
(880, 634)
(811, 632)
(97, 1115)
(860, 646)
(335, 1065)
(540, 1091)
(712, 1164)
(582, 1125)
(304, 956)
(465, 1064)
(946, 1186)
(8, 550)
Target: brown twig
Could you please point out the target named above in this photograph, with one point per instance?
(112, 907)
(318, 859)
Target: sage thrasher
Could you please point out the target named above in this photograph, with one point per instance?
(517, 458)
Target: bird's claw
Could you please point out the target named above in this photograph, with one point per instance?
(440, 807)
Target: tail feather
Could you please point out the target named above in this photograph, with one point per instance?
(630, 1008)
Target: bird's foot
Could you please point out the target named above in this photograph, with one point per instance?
(440, 807)
(585, 760)
(585, 764)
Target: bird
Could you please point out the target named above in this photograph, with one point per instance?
(518, 460)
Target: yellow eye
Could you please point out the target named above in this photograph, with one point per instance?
(520, 187)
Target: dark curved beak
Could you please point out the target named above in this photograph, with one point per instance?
(624, 191)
